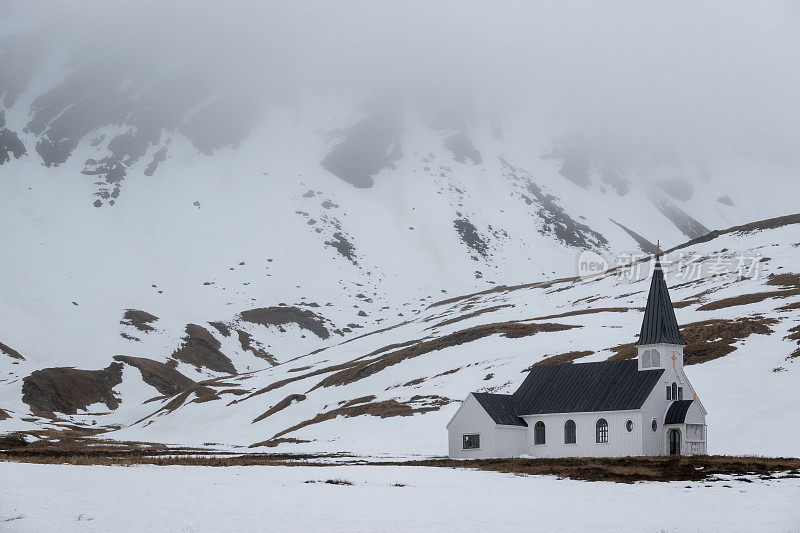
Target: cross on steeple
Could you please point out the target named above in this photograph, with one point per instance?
(674, 358)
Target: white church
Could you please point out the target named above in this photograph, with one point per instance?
(644, 406)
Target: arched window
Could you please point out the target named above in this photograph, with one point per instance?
(655, 359)
(569, 432)
(601, 431)
(674, 391)
(646, 359)
(538, 432)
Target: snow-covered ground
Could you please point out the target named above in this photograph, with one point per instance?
(149, 498)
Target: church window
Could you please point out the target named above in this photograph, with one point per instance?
(674, 391)
(646, 359)
(569, 432)
(472, 441)
(654, 425)
(538, 433)
(680, 393)
(629, 425)
(669, 393)
(655, 359)
(601, 431)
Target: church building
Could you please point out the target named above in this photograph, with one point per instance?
(642, 406)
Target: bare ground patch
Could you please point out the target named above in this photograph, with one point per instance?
(13, 354)
(138, 319)
(629, 469)
(67, 389)
(361, 369)
(469, 315)
(201, 349)
(708, 339)
(579, 312)
(382, 409)
(246, 340)
(281, 405)
(560, 359)
(283, 315)
(747, 299)
(163, 377)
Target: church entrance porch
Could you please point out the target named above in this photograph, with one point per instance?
(674, 442)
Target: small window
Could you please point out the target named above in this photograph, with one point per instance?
(680, 393)
(472, 442)
(654, 425)
(538, 432)
(569, 432)
(669, 393)
(674, 391)
(601, 431)
(646, 359)
(629, 425)
(655, 359)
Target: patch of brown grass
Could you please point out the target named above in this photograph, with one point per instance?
(280, 406)
(785, 280)
(625, 469)
(747, 299)
(469, 315)
(382, 409)
(579, 312)
(560, 359)
(708, 339)
(361, 369)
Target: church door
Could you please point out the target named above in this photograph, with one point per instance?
(674, 442)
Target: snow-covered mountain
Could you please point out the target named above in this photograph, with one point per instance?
(165, 224)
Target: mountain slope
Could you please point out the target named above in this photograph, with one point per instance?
(391, 391)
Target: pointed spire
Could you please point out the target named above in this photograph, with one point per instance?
(659, 324)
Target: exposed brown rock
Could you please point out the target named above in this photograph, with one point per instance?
(201, 349)
(161, 376)
(280, 316)
(66, 390)
(246, 340)
(13, 354)
(746, 299)
(140, 320)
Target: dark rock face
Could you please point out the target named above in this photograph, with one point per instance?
(201, 349)
(280, 316)
(66, 390)
(558, 223)
(343, 246)
(471, 237)
(10, 145)
(367, 147)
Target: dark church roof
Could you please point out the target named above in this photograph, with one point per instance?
(582, 387)
(500, 407)
(659, 324)
(676, 414)
(573, 388)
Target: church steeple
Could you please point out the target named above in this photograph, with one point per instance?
(659, 324)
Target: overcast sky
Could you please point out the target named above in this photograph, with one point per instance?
(714, 77)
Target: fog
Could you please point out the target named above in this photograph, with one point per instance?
(699, 79)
